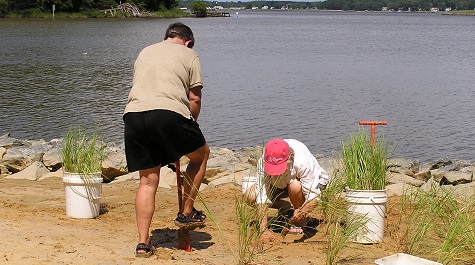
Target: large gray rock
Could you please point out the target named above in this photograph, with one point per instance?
(330, 165)
(52, 159)
(394, 178)
(114, 164)
(59, 174)
(3, 169)
(404, 166)
(3, 150)
(18, 158)
(450, 177)
(223, 160)
(249, 154)
(32, 172)
(129, 176)
(398, 189)
(461, 192)
(423, 175)
(8, 142)
(34, 160)
(430, 185)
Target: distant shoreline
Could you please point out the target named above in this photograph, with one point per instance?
(165, 14)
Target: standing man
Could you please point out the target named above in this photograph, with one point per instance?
(287, 169)
(160, 126)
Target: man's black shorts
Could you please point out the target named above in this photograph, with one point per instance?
(159, 137)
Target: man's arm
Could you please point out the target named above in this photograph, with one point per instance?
(195, 101)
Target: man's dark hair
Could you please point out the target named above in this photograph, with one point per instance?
(182, 31)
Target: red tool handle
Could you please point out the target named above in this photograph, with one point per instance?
(179, 185)
(373, 127)
(183, 233)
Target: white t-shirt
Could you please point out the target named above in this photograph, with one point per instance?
(305, 168)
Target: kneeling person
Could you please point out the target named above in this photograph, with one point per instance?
(287, 169)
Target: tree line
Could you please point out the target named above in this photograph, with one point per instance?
(403, 5)
(71, 6)
(356, 5)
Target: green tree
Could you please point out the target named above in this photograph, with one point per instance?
(199, 8)
(3, 8)
(155, 5)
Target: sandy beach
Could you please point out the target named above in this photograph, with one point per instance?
(35, 230)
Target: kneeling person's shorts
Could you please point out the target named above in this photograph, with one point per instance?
(159, 137)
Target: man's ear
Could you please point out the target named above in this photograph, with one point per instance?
(187, 42)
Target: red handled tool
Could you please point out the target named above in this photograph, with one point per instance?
(373, 127)
(183, 232)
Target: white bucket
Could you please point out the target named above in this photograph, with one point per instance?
(404, 259)
(247, 182)
(83, 194)
(371, 205)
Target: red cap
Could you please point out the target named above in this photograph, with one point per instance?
(276, 154)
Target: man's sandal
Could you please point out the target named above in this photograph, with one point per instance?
(144, 251)
(196, 218)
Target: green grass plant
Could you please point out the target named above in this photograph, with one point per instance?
(339, 229)
(364, 164)
(440, 227)
(249, 216)
(82, 152)
(204, 207)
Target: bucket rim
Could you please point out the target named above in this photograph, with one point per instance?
(70, 177)
(347, 189)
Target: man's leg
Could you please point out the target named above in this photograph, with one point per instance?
(296, 194)
(195, 171)
(145, 201)
(297, 199)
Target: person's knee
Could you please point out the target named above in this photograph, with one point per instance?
(250, 194)
(294, 188)
(296, 195)
(200, 155)
(150, 177)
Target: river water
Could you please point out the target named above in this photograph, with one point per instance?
(305, 75)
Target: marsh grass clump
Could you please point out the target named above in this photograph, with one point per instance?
(364, 164)
(249, 220)
(205, 208)
(249, 217)
(339, 228)
(81, 152)
(439, 227)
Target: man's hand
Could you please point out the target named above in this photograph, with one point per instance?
(299, 217)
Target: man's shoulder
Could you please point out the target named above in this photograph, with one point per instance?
(167, 48)
(293, 143)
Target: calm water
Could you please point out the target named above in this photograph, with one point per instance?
(305, 75)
